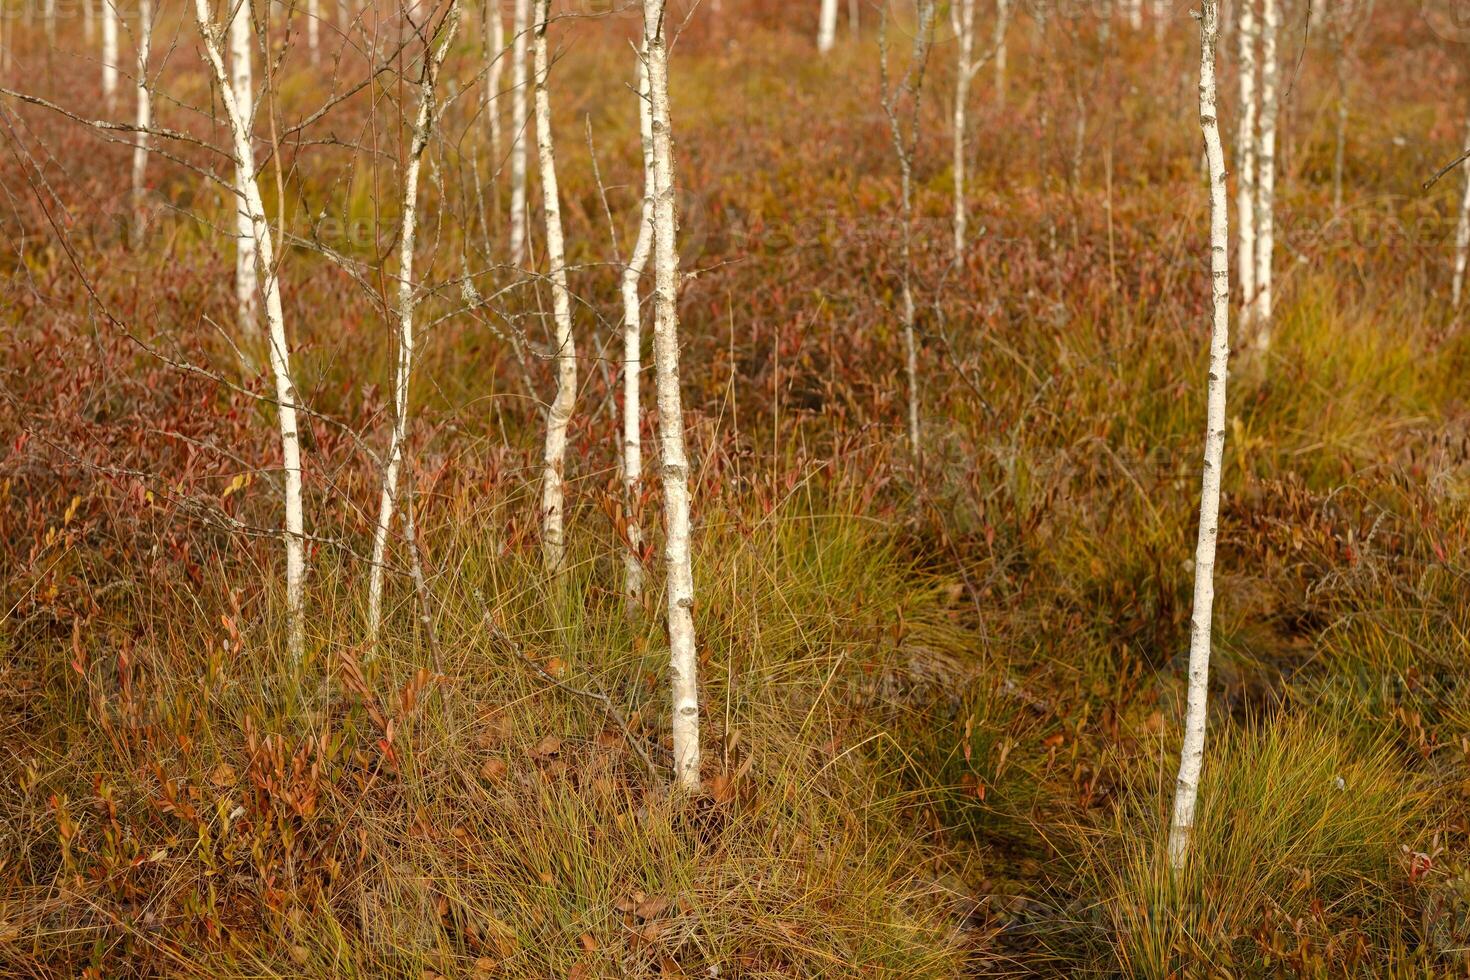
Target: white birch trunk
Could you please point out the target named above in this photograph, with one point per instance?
(89, 22)
(495, 55)
(423, 125)
(962, 18)
(1135, 14)
(1266, 172)
(1002, 27)
(632, 351)
(1161, 17)
(109, 52)
(144, 119)
(313, 28)
(520, 26)
(674, 470)
(559, 414)
(280, 357)
(247, 291)
(1191, 756)
(1245, 159)
(1462, 237)
(827, 26)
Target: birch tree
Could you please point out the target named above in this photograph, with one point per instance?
(313, 28)
(1462, 234)
(559, 413)
(1247, 37)
(1191, 757)
(905, 136)
(632, 458)
(143, 120)
(423, 126)
(1266, 172)
(109, 52)
(247, 317)
(674, 469)
(520, 26)
(1002, 28)
(827, 26)
(962, 19)
(280, 358)
(494, 49)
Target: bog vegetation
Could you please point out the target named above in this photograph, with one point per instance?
(941, 492)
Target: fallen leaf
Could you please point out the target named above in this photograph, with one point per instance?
(223, 776)
(494, 769)
(547, 747)
(588, 941)
(651, 908)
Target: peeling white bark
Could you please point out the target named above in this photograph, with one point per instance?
(518, 114)
(1191, 756)
(674, 471)
(423, 125)
(559, 414)
(962, 19)
(280, 357)
(632, 469)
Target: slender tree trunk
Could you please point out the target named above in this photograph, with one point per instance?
(1245, 156)
(89, 21)
(1191, 757)
(1135, 14)
(495, 56)
(1002, 27)
(1462, 236)
(280, 356)
(559, 415)
(632, 351)
(674, 472)
(1339, 152)
(313, 28)
(144, 120)
(1266, 172)
(962, 17)
(423, 125)
(518, 115)
(827, 26)
(247, 311)
(109, 52)
(1161, 17)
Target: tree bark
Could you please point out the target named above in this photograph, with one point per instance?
(1462, 237)
(144, 119)
(1191, 757)
(827, 26)
(423, 126)
(674, 474)
(518, 114)
(1245, 157)
(247, 311)
(109, 52)
(495, 56)
(632, 351)
(559, 414)
(280, 356)
(1266, 173)
(962, 18)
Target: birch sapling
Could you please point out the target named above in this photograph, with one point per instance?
(1266, 172)
(1245, 158)
(559, 413)
(144, 119)
(1002, 27)
(632, 468)
(1462, 236)
(109, 52)
(423, 126)
(280, 355)
(518, 114)
(905, 146)
(962, 19)
(494, 57)
(247, 311)
(1191, 756)
(827, 26)
(674, 462)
